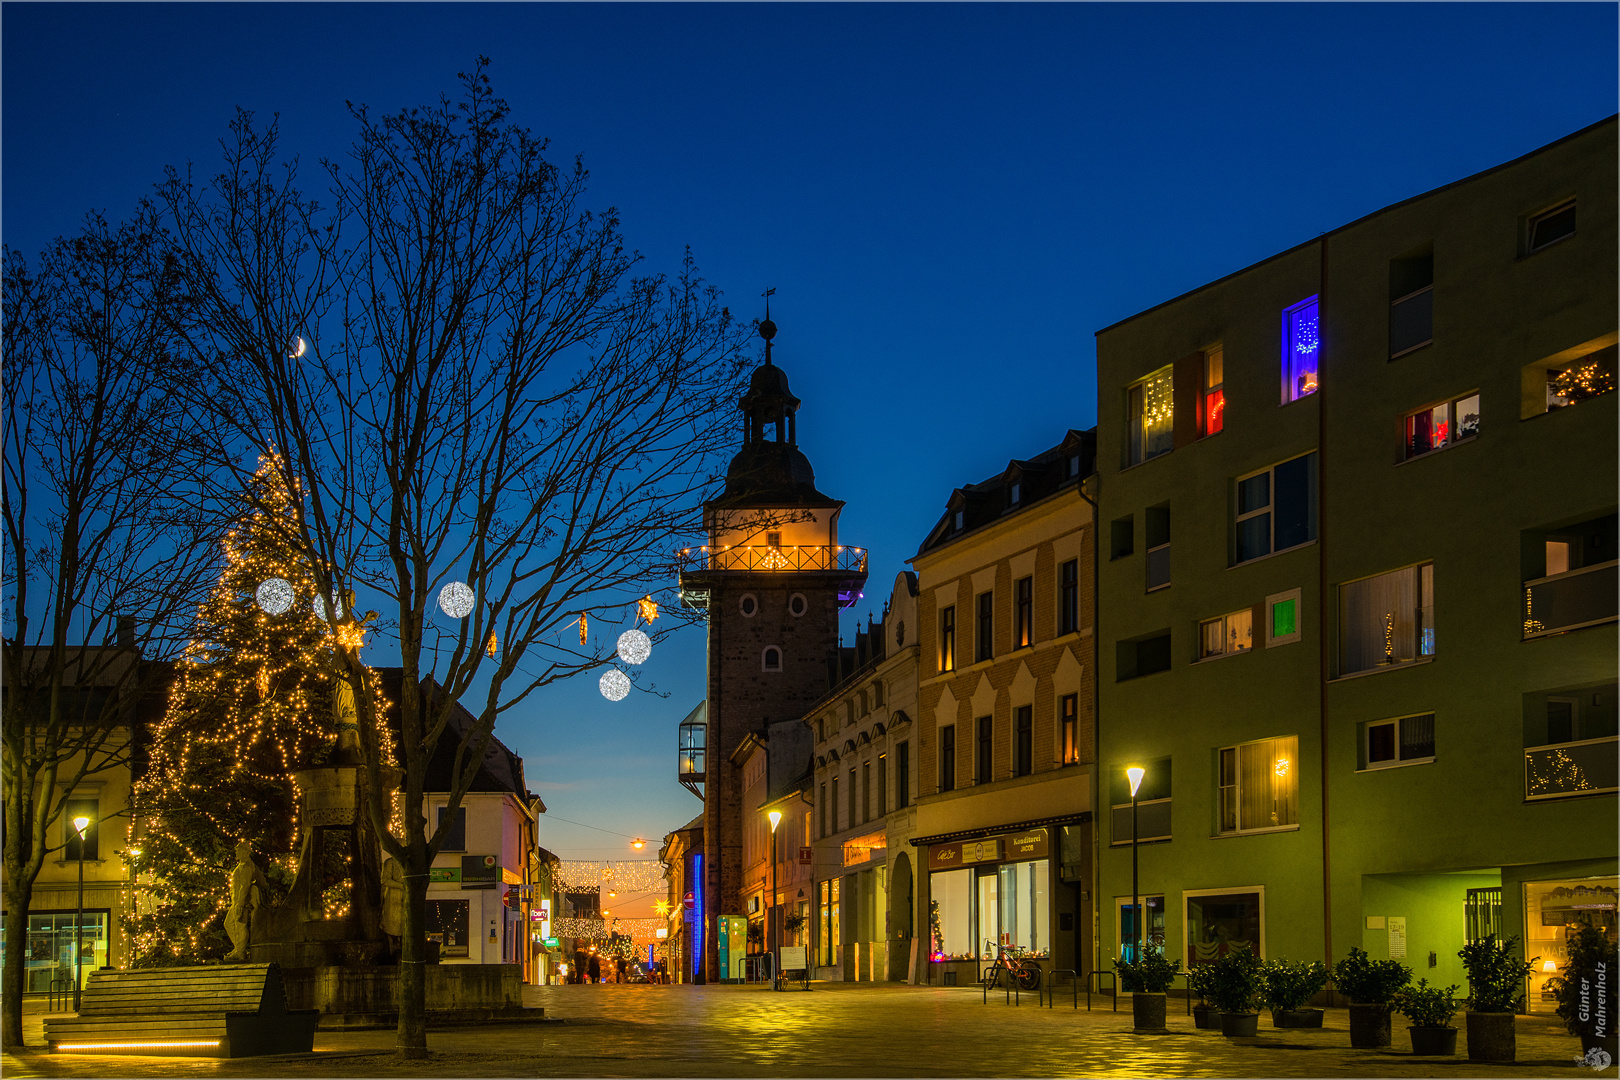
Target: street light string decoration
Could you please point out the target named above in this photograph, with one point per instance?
(625, 875)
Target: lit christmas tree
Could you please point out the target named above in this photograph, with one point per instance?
(250, 703)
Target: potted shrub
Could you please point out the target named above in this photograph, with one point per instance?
(1370, 985)
(1586, 993)
(1286, 988)
(1199, 977)
(1147, 980)
(1234, 986)
(1496, 977)
(1430, 1009)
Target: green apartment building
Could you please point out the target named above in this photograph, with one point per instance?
(1357, 584)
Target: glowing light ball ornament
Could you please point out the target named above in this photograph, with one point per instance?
(614, 684)
(456, 600)
(319, 607)
(634, 647)
(275, 596)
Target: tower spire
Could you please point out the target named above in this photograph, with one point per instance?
(767, 329)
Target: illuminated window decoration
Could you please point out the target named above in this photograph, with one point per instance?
(1439, 426)
(274, 596)
(1213, 415)
(1301, 349)
(614, 684)
(1579, 382)
(1150, 416)
(456, 600)
(1226, 635)
(647, 609)
(1259, 789)
(634, 647)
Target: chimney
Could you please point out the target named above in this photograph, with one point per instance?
(126, 632)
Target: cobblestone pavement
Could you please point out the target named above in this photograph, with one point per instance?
(837, 1030)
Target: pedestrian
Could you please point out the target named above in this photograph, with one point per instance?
(596, 969)
(578, 974)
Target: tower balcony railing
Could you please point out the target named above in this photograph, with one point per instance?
(769, 557)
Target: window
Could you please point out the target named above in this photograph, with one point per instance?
(1069, 717)
(1143, 656)
(1569, 742)
(951, 935)
(984, 749)
(866, 791)
(1025, 615)
(1387, 619)
(947, 638)
(1550, 226)
(1014, 905)
(1219, 923)
(830, 952)
(834, 803)
(883, 784)
(1411, 301)
(983, 643)
(902, 776)
(1152, 803)
(947, 758)
(1276, 508)
(773, 539)
(747, 605)
(958, 521)
(1282, 618)
(822, 805)
(1438, 426)
(1212, 411)
(1158, 547)
(1150, 415)
(90, 808)
(455, 837)
(877, 695)
(446, 922)
(1226, 635)
(797, 605)
(851, 796)
(1129, 932)
(771, 659)
(1260, 785)
(1071, 467)
(1580, 379)
(1122, 537)
(1301, 350)
(1069, 597)
(1023, 740)
(1015, 492)
(1405, 740)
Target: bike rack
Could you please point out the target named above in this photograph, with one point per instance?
(1074, 986)
(1010, 992)
(1113, 987)
(61, 992)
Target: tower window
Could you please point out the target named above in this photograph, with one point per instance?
(797, 605)
(773, 539)
(748, 605)
(771, 659)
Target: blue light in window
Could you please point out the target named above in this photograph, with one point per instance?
(1301, 349)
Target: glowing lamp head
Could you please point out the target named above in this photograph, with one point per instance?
(638, 843)
(775, 816)
(1135, 773)
(1549, 965)
(80, 824)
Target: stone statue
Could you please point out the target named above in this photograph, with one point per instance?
(393, 898)
(248, 887)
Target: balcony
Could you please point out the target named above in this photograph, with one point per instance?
(1587, 767)
(768, 557)
(1569, 601)
(1153, 822)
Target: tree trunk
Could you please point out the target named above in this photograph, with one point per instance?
(411, 1040)
(19, 890)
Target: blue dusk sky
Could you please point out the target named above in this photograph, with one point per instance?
(949, 200)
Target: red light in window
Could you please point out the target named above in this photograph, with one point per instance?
(1214, 411)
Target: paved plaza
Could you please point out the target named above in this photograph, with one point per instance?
(833, 1030)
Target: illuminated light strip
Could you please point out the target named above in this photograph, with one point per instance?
(132, 1046)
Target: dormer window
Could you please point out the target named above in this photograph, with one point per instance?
(958, 521)
(1015, 492)
(1073, 466)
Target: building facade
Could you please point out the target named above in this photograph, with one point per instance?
(1005, 720)
(1358, 587)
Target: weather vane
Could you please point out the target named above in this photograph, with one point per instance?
(767, 329)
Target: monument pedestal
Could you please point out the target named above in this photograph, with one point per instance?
(358, 997)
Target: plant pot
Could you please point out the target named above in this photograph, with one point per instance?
(1369, 1026)
(1433, 1041)
(1201, 1013)
(1296, 1018)
(1491, 1036)
(1240, 1025)
(1147, 1010)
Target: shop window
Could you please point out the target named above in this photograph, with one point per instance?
(1024, 613)
(1387, 620)
(1069, 719)
(947, 638)
(1150, 415)
(1069, 597)
(1283, 622)
(983, 640)
(446, 923)
(1547, 228)
(1226, 635)
(90, 808)
(950, 915)
(1259, 785)
(1127, 932)
(1014, 907)
(1276, 508)
(1023, 740)
(1221, 922)
(1439, 426)
(1555, 913)
(455, 834)
(1411, 301)
(1405, 740)
(829, 953)
(1301, 349)
(1212, 410)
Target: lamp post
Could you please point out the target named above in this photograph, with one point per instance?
(1134, 773)
(80, 825)
(776, 939)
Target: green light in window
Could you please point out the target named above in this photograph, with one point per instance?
(1282, 618)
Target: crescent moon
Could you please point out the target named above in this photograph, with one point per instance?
(299, 351)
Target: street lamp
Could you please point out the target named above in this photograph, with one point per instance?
(1134, 773)
(776, 948)
(80, 825)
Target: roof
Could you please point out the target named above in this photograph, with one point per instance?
(501, 770)
(1062, 466)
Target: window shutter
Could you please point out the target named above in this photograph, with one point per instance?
(1186, 381)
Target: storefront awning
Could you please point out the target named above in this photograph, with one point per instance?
(1016, 826)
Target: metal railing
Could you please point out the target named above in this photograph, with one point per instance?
(1569, 601)
(1586, 767)
(768, 557)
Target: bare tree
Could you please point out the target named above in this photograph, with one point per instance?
(97, 471)
(468, 381)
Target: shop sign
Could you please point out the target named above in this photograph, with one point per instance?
(479, 872)
(550, 942)
(1031, 844)
(444, 873)
(807, 856)
(986, 850)
(1028, 845)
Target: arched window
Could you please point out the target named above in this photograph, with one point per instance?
(771, 659)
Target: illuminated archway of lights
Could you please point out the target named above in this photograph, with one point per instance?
(623, 875)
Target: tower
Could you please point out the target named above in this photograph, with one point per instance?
(773, 578)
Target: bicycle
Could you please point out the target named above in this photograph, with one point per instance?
(1025, 973)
